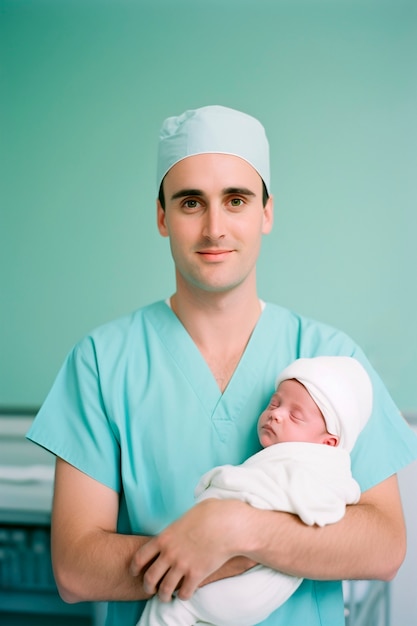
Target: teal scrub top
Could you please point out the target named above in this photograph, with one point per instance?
(136, 407)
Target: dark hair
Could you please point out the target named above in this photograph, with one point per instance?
(161, 195)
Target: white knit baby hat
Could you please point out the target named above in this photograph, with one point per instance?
(341, 388)
(213, 129)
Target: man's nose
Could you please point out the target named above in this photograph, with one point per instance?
(214, 224)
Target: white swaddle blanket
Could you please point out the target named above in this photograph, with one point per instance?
(311, 480)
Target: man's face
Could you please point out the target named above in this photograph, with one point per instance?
(215, 219)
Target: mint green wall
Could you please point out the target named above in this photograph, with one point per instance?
(84, 88)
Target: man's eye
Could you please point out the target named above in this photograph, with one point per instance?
(236, 202)
(191, 204)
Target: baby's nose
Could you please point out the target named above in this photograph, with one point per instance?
(276, 415)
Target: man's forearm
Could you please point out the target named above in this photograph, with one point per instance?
(369, 542)
(91, 561)
(97, 568)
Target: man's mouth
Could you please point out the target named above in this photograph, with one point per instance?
(215, 254)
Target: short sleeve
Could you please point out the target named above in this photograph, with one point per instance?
(387, 443)
(73, 423)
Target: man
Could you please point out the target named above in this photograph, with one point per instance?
(146, 404)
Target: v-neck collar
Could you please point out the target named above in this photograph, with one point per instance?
(222, 408)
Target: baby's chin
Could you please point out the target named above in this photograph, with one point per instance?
(267, 439)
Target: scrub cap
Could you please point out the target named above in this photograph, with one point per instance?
(213, 129)
(341, 388)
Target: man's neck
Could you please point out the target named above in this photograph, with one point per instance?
(220, 326)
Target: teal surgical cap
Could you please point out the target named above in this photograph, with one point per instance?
(213, 129)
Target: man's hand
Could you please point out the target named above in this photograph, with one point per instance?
(188, 552)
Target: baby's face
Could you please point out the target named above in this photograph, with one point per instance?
(292, 415)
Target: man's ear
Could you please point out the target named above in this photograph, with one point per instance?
(268, 216)
(161, 220)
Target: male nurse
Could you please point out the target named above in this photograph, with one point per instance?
(146, 404)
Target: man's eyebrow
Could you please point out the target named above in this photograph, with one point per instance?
(240, 191)
(183, 193)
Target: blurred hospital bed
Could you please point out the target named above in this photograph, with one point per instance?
(367, 603)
